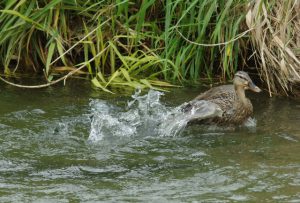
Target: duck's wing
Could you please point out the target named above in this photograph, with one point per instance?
(218, 95)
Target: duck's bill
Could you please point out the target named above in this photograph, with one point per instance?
(254, 88)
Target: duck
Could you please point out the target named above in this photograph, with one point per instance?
(230, 100)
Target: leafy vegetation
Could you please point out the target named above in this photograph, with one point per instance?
(136, 43)
(130, 43)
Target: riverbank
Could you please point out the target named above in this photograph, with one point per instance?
(151, 44)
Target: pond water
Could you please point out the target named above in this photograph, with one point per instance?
(75, 144)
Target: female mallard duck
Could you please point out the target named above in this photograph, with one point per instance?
(235, 107)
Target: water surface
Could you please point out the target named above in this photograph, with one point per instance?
(75, 144)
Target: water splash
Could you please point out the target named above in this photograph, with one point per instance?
(144, 115)
(177, 119)
(106, 122)
(139, 117)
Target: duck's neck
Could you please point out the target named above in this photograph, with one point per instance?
(240, 92)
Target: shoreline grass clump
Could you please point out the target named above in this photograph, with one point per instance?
(149, 44)
(119, 42)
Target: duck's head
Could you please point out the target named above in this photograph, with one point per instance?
(242, 79)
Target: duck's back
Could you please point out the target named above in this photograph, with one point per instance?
(224, 96)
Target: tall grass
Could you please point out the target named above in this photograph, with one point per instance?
(277, 41)
(122, 42)
(195, 37)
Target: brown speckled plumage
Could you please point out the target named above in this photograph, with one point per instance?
(236, 107)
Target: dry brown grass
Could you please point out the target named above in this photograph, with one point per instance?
(276, 39)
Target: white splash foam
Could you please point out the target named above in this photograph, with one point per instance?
(144, 115)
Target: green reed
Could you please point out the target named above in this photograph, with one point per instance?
(140, 43)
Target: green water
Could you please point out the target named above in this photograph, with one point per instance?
(46, 155)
